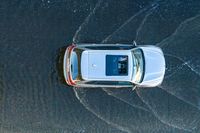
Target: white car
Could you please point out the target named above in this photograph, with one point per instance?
(113, 65)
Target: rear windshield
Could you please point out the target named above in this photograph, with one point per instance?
(116, 65)
(75, 64)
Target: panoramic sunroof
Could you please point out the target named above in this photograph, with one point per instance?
(116, 65)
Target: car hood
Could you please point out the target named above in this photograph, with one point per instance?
(154, 66)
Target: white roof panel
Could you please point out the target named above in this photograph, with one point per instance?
(93, 65)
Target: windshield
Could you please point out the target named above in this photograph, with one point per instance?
(138, 65)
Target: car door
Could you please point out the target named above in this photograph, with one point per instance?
(109, 84)
(106, 46)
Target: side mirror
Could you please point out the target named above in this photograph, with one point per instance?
(134, 87)
(134, 43)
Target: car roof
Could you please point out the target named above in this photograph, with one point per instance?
(93, 65)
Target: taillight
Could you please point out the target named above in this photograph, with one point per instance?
(71, 82)
(69, 78)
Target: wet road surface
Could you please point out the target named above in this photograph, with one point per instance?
(33, 38)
